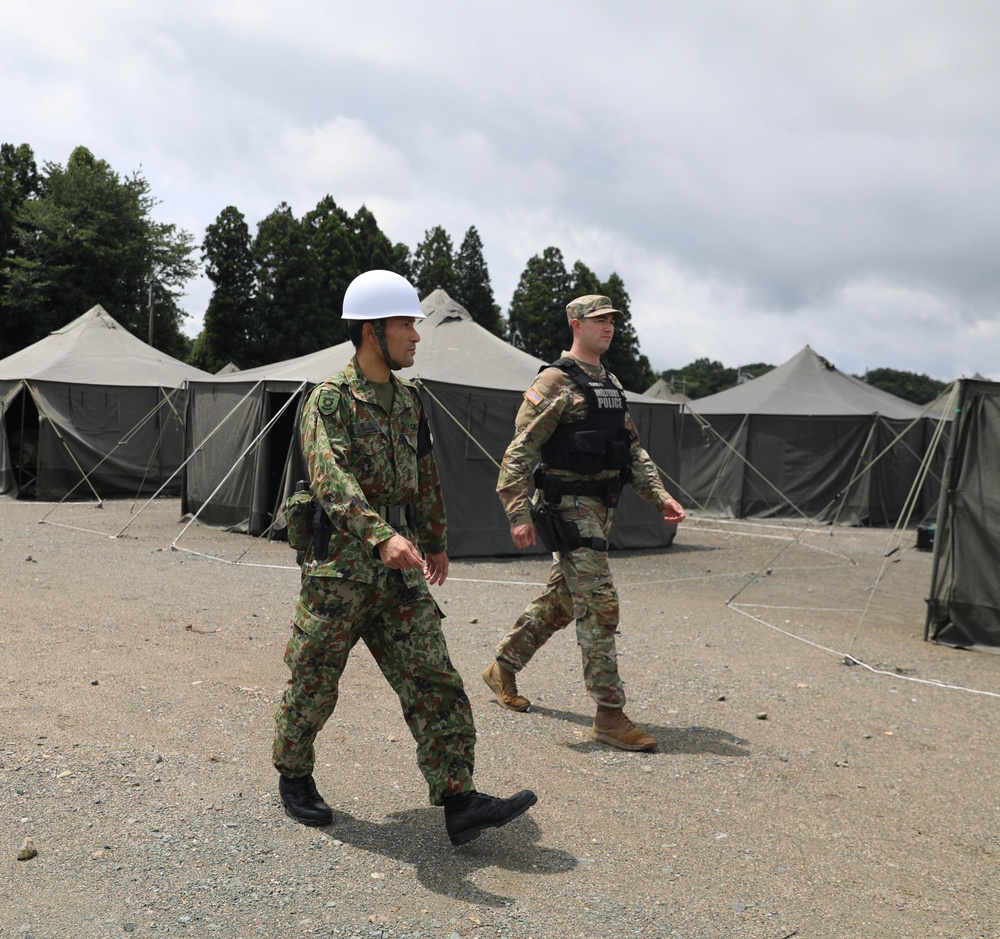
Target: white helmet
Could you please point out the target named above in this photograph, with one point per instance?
(377, 295)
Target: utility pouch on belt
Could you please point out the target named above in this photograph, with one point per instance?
(555, 532)
(300, 507)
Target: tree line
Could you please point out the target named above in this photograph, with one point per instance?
(705, 377)
(76, 235)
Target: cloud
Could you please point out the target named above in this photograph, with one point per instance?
(761, 176)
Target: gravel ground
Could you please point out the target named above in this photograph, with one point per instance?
(792, 795)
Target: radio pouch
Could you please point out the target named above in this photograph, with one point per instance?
(300, 508)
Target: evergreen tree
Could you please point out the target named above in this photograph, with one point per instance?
(333, 245)
(85, 237)
(434, 264)
(624, 359)
(19, 182)
(537, 316)
(472, 285)
(373, 249)
(584, 282)
(288, 320)
(229, 319)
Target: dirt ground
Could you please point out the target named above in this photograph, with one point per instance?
(792, 795)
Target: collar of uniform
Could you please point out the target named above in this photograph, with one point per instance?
(594, 371)
(360, 386)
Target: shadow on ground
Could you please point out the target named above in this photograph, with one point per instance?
(693, 740)
(417, 837)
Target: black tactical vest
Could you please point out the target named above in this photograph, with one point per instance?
(600, 441)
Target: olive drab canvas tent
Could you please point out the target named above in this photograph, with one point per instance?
(805, 440)
(660, 389)
(242, 434)
(91, 411)
(964, 604)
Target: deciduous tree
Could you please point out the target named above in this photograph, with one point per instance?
(87, 236)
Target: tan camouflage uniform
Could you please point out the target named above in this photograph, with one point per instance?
(580, 585)
(358, 457)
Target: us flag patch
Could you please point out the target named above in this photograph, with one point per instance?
(535, 397)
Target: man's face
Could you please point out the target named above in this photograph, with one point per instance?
(596, 332)
(401, 337)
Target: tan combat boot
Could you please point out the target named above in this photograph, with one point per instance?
(504, 686)
(613, 727)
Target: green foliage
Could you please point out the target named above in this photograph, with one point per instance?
(229, 318)
(624, 359)
(333, 244)
(288, 318)
(373, 250)
(82, 235)
(434, 264)
(537, 315)
(704, 377)
(18, 182)
(472, 287)
(911, 386)
(281, 295)
(538, 323)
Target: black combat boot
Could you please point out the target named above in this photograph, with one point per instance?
(303, 802)
(466, 815)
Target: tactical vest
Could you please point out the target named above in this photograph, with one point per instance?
(598, 442)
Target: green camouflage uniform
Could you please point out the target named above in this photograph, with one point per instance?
(358, 457)
(580, 585)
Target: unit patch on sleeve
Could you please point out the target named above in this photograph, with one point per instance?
(534, 396)
(327, 401)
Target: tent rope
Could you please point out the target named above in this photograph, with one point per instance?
(62, 440)
(420, 384)
(251, 447)
(851, 660)
(122, 440)
(192, 455)
(901, 523)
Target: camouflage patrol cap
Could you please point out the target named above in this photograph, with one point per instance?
(591, 305)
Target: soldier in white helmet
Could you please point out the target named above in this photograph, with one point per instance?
(380, 541)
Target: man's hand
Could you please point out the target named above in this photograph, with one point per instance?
(673, 513)
(399, 554)
(436, 567)
(523, 535)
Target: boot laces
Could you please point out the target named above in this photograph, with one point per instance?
(623, 721)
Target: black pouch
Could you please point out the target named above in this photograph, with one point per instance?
(300, 507)
(555, 532)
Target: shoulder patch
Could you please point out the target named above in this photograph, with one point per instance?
(534, 396)
(327, 401)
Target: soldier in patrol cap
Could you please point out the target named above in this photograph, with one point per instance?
(574, 437)
(379, 541)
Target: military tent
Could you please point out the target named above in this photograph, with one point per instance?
(660, 389)
(243, 442)
(964, 604)
(805, 440)
(91, 411)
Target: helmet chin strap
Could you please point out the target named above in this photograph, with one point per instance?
(379, 327)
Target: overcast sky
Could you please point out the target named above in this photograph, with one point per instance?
(763, 175)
